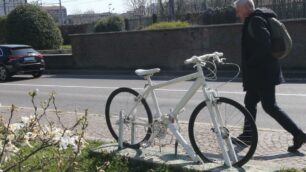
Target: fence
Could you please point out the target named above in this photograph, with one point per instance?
(286, 9)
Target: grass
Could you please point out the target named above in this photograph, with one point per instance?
(48, 160)
(292, 170)
(66, 47)
(167, 25)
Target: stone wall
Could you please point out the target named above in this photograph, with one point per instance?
(169, 48)
(59, 61)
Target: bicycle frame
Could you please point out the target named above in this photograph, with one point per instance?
(210, 98)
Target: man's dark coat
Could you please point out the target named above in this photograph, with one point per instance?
(259, 68)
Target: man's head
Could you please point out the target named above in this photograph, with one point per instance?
(244, 8)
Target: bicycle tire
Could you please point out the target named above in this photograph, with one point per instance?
(108, 115)
(246, 114)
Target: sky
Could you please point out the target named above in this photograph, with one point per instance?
(99, 6)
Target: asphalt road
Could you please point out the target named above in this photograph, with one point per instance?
(75, 92)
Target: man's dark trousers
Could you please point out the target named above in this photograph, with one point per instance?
(268, 100)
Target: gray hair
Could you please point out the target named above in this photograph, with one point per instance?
(245, 2)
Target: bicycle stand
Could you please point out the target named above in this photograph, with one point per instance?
(175, 147)
(120, 139)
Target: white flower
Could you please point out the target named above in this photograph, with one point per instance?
(25, 120)
(10, 137)
(9, 151)
(16, 126)
(64, 142)
(27, 137)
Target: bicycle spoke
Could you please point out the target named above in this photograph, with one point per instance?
(136, 116)
(205, 140)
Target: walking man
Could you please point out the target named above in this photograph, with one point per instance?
(261, 72)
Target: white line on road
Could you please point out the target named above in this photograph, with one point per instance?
(112, 88)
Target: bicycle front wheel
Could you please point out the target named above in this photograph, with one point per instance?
(238, 124)
(137, 117)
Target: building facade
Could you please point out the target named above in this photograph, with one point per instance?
(6, 6)
(78, 19)
(58, 13)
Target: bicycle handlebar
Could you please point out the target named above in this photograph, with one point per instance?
(197, 59)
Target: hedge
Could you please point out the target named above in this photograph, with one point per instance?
(109, 24)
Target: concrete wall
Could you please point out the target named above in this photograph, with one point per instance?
(59, 61)
(169, 48)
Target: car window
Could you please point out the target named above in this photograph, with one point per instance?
(1, 52)
(22, 51)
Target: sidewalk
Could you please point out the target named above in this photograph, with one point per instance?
(271, 150)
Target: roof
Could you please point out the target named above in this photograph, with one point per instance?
(14, 45)
(53, 7)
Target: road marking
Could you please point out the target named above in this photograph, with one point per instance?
(113, 88)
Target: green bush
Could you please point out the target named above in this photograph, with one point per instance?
(167, 25)
(66, 30)
(29, 24)
(109, 24)
(2, 30)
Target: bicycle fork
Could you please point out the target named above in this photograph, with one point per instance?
(224, 142)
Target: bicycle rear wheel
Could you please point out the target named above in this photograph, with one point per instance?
(137, 117)
(204, 139)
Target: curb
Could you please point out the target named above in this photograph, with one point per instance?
(290, 75)
(181, 162)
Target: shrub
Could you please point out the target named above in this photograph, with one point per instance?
(167, 25)
(109, 24)
(37, 140)
(29, 24)
(2, 30)
(66, 30)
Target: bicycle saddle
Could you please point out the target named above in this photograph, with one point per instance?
(143, 72)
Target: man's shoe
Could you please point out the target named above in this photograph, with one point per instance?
(298, 142)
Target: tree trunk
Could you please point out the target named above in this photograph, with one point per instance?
(171, 10)
(161, 7)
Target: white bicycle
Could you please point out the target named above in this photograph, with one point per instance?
(220, 129)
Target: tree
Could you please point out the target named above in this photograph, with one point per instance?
(138, 6)
(171, 9)
(29, 24)
(181, 7)
(89, 12)
(2, 30)
(161, 7)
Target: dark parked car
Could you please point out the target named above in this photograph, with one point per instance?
(20, 59)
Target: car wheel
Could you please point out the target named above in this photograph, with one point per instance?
(3, 73)
(37, 74)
